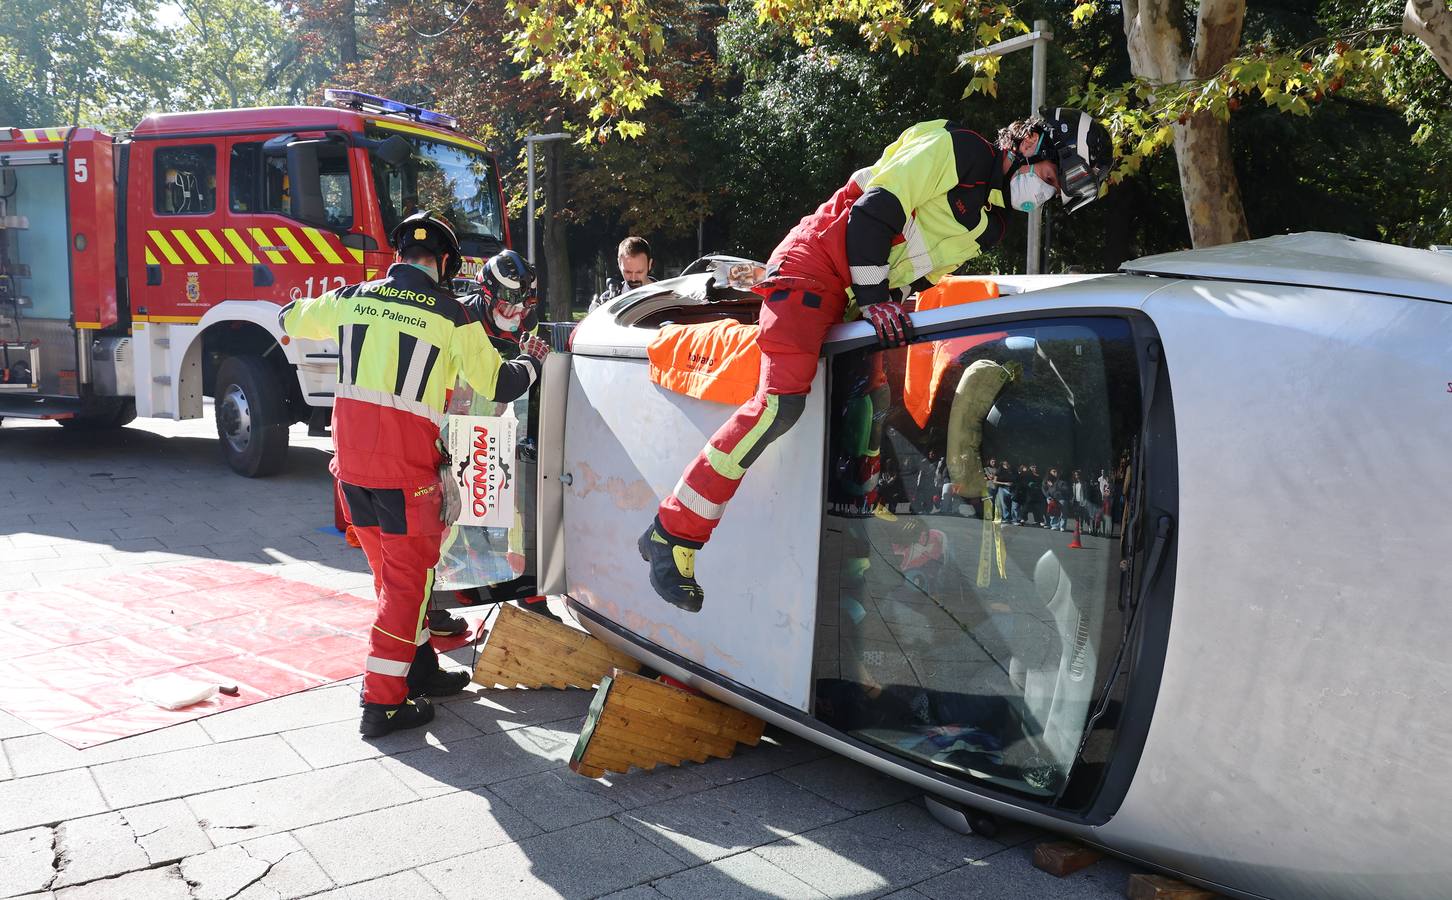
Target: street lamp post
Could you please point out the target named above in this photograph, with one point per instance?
(1038, 39)
(529, 141)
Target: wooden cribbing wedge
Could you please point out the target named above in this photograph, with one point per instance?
(525, 649)
(1060, 858)
(1158, 887)
(634, 721)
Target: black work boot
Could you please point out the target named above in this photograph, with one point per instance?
(442, 623)
(426, 679)
(440, 683)
(672, 567)
(380, 719)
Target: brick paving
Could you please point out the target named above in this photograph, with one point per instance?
(283, 799)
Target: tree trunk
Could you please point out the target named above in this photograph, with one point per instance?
(1159, 52)
(1213, 206)
(556, 251)
(1430, 21)
(348, 33)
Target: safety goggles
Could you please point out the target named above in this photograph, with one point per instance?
(1078, 183)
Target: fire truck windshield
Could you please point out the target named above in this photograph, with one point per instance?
(458, 183)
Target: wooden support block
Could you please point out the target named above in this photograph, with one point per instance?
(1060, 858)
(634, 721)
(1158, 887)
(525, 649)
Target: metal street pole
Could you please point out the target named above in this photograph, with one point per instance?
(1036, 102)
(529, 141)
(1038, 39)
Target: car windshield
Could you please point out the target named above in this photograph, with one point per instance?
(460, 184)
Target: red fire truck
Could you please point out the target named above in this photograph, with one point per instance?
(142, 272)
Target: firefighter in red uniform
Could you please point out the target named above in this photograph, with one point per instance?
(505, 303)
(507, 306)
(403, 342)
(932, 201)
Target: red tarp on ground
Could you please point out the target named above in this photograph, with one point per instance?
(68, 656)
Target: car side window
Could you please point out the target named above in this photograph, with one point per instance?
(186, 180)
(971, 553)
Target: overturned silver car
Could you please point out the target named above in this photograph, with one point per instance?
(1225, 655)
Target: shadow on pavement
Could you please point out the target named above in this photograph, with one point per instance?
(138, 496)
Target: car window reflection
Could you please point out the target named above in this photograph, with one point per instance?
(970, 568)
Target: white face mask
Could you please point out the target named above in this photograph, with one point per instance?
(508, 318)
(1027, 192)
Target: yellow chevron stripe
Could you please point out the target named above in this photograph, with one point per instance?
(294, 245)
(160, 241)
(185, 241)
(55, 134)
(356, 254)
(240, 246)
(218, 250)
(29, 135)
(369, 276)
(151, 259)
(323, 246)
(263, 242)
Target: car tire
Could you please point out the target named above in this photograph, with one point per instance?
(251, 413)
(103, 415)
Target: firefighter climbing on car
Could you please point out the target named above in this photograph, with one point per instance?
(403, 341)
(933, 200)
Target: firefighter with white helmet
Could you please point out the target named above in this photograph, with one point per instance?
(934, 199)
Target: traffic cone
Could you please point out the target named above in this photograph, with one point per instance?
(1076, 544)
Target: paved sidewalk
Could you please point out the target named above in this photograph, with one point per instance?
(283, 799)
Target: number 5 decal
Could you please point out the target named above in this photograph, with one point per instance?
(83, 174)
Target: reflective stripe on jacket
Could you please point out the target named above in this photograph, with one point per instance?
(402, 344)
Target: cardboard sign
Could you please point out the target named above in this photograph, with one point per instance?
(483, 471)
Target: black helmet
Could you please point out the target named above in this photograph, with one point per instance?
(1082, 151)
(508, 280)
(508, 277)
(434, 234)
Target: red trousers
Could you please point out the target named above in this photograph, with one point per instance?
(400, 530)
(794, 320)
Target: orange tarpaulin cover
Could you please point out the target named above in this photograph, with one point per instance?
(927, 361)
(711, 361)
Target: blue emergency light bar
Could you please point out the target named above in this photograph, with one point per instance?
(360, 100)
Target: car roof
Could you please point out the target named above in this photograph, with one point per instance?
(1312, 259)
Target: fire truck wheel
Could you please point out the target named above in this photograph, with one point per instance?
(251, 416)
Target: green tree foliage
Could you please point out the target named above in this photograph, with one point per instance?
(59, 62)
(111, 62)
(1290, 66)
(229, 53)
